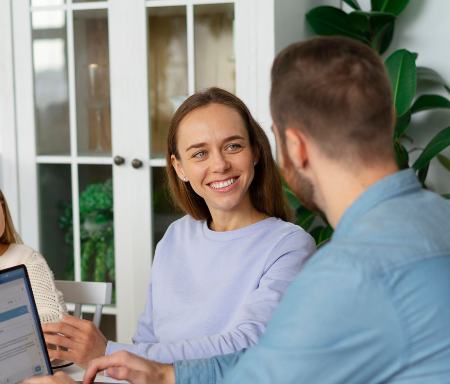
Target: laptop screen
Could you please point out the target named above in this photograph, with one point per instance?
(22, 349)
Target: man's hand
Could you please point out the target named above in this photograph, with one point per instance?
(81, 337)
(57, 378)
(123, 365)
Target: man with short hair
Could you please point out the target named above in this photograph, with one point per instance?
(372, 305)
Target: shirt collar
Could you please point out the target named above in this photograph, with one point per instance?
(399, 183)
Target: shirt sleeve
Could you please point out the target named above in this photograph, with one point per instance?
(281, 268)
(49, 301)
(336, 324)
(203, 371)
(144, 334)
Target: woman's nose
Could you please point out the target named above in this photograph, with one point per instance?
(219, 163)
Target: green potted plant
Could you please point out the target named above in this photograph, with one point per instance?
(376, 29)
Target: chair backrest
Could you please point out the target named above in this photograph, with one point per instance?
(84, 292)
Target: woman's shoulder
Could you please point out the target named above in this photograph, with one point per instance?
(20, 254)
(186, 223)
(279, 230)
(281, 227)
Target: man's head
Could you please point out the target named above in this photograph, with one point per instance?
(332, 94)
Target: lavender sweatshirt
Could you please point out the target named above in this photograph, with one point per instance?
(212, 293)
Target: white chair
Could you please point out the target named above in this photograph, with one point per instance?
(84, 292)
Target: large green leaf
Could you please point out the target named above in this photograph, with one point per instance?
(424, 73)
(393, 6)
(444, 160)
(370, 21)
(437, 144)
(325, 234)
(422, 174)
(401, 68)
(353, 3)
(294, 202)
(401, 124)
(330, 21)
(425, 102)
(316, 232)
(305, 218)
(383, 38)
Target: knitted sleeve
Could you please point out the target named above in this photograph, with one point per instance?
(49, 301)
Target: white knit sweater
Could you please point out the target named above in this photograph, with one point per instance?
(49, 301)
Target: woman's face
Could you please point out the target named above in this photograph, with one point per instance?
(216, 156)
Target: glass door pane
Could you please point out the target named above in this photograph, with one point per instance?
(96, 223)
(92, 82)
(214, 46)
(167, 70)
(51, 94)
(164, 212)
(56, 222)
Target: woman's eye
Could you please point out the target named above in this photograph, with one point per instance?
(200, 154)
(234, 146)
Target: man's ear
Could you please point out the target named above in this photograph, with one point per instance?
(176, 164)
(297, 147)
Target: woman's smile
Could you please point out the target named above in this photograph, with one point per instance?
(224, 185)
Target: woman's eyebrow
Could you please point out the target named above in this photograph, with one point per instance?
(199, 145)
(231, 138)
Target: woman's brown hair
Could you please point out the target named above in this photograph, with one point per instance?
(266, 192)
(10, 234)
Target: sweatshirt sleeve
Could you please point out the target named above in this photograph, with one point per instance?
(144, 334)
(285, 262)
(49, 301)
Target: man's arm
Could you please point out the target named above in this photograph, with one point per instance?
(121, 366)
(336, 324)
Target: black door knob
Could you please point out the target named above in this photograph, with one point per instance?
(119, 160)
(136, 163)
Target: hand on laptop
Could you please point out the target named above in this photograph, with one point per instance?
(81, 337)
(57, 378)
(123, 365)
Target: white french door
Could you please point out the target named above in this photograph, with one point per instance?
(95, 85)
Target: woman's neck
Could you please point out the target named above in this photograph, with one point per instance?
(3, 248)
(237, 218)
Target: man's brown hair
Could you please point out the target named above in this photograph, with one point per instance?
(266, 193)
(337, 91)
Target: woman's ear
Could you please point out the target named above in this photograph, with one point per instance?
(176, 164)
(256, 155)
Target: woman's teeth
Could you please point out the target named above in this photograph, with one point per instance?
(222, 184)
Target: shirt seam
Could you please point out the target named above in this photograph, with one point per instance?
(406, 347)
(415, 258)
(299, 230)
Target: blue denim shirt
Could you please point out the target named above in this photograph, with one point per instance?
(372, 306)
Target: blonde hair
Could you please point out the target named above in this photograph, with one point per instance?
(10, 234)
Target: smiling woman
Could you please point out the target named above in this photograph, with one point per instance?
(220, 271)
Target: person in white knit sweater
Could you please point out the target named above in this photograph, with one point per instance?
(49, 301)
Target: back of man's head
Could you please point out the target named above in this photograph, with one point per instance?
(337, 91)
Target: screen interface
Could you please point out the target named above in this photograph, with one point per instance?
(21, 345)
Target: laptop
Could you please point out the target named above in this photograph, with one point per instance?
(22, 346)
